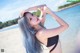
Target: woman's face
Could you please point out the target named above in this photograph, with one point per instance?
(33, 19)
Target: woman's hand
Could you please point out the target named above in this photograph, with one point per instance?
(42, 8)
(41, 5)
(35, 7)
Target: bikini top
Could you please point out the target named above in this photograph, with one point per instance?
(52, 40)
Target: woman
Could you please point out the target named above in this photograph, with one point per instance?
(35, 33)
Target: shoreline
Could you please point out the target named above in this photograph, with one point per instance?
(68, 7)
(8, 28)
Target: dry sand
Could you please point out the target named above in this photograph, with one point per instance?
(11, 42)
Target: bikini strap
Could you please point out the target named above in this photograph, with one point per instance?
(54, 47)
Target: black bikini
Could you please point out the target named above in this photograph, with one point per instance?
(52, 41)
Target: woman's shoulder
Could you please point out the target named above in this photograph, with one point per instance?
(48, 32)
(40, 33)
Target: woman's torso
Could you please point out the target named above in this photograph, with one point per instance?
(47, 41)
(50, 42)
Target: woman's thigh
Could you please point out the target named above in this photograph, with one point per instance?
(58, 48)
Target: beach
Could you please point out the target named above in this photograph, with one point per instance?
(11, 42)
(11, 38)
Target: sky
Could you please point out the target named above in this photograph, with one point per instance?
(11, 9)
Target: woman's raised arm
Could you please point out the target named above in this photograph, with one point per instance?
(57, 18)
(35, 7)
(54, 31)
(31, 9)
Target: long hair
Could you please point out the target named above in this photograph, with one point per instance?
(32, 44)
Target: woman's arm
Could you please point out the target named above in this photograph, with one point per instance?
(54, 31)
(57, 18)
(32, 8)
(35, 7)
(43, 18)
